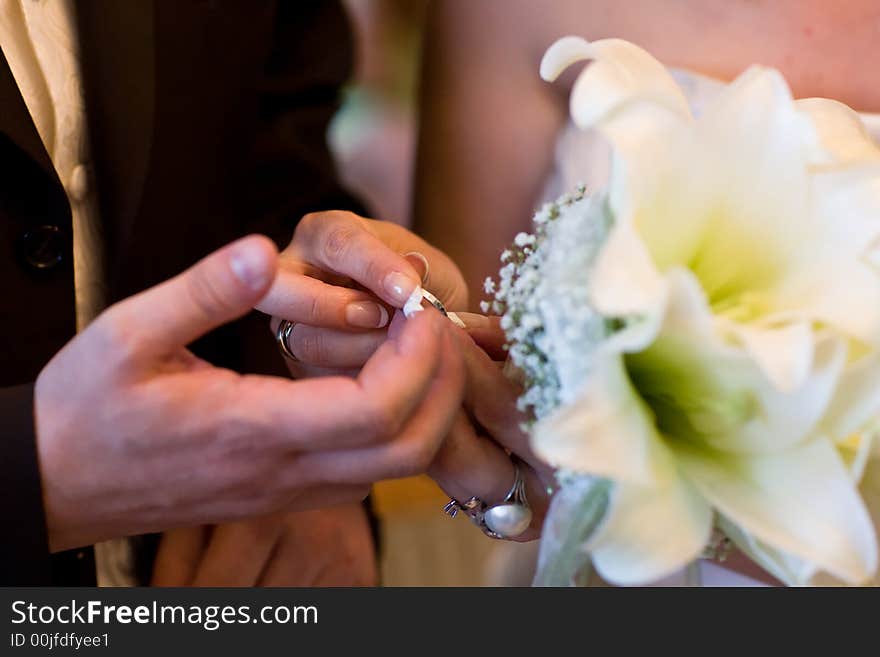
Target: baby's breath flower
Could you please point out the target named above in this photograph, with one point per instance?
(541, 297)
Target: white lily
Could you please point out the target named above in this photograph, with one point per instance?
(746, 246)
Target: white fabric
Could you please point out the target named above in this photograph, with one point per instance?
(39, 40)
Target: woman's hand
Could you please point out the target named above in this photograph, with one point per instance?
(473, 461)
(339, 281)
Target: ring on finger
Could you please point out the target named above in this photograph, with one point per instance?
(282, 336)
(505, 520)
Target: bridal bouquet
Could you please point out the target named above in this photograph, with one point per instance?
(700, 339)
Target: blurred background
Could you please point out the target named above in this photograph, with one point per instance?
(374, 134)
(374, 138)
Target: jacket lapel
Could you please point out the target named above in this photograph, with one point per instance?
(117, 58)
(16, 122)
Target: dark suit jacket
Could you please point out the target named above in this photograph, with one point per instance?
(208, 122)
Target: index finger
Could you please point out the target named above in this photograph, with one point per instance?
(305, 300)
(340, 242)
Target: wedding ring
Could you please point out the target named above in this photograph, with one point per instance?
(506, 520)
(414, 304)
(282, 336)
(434, 301)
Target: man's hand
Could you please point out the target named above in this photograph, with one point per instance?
(340, 279)
(325, 547)
(135, 434)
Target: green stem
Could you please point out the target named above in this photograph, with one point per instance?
(570, 563)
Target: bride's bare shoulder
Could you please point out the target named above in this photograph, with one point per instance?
(811, 41)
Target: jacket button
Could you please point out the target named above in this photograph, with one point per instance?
(78, 187)
(43, 247)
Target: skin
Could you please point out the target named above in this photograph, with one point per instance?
(323, 547)
(156, 438)
(480, 173)
(481, 164)
(472, 459)
(336, 260)
(489, 123)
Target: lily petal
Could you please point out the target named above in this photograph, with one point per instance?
(651, 532)
(562, 54)
(844, 139)
(620, 72)
(787, 568)
(606, 432)
(869, 488)
(752, 150)
(630, 98)
(856, 400)
(801, 501)
(870, 491)
(837, 280)
(624, 279)
(701, 387)
(784, 353)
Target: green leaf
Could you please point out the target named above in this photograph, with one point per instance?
(576, 512)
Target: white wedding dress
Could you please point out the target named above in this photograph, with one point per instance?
(582, 158)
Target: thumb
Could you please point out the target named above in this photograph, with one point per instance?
(218, 289)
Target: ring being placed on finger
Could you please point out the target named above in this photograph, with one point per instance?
(282, 336)
(507, 519)
(414, 305)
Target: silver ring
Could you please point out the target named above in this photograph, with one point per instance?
(434, 301)
(282, 335)
(505, 520)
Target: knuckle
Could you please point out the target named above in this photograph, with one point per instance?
(315, 313)
(411, 462)
(342, 216)
(337, 242)
(114, 336)
(310, 346)
(305, 227)
(238, 432)
(422, 455)
(382, 422)
(204, 295)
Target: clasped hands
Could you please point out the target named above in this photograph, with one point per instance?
(338, 263)
(136, 434)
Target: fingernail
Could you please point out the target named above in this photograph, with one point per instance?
(399, 287)
(419, 263)
(249, 264)
(366, 314)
